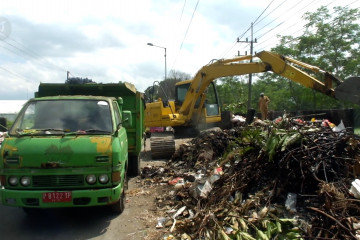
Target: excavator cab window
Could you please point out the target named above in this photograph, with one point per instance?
(180, 93)
(211, 101)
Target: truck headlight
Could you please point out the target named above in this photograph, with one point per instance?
(91, 179)
(103, 178)
(13, 180)
(25, 181)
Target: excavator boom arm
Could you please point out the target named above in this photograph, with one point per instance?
(268, 62)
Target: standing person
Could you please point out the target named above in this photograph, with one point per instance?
(263, 105)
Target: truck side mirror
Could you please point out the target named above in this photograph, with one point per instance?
(127, 119)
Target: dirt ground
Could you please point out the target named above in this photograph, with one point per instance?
(140, 200)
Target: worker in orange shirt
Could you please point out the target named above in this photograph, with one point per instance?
(264, 106)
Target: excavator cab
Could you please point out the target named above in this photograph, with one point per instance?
(211, 103)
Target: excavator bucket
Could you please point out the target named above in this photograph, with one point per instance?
(349, 90)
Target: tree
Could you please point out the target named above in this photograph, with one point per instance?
(232, 93)
(330, 41)
(166, 89)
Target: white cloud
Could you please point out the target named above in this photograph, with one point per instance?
(107, 40)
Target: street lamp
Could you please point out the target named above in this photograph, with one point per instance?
(150, 44)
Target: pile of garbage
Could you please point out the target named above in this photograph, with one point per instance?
(287, 179)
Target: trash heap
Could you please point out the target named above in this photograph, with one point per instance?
(287, 179)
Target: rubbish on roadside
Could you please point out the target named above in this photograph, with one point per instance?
(161, 221)
(174, 217)
(184, 236)
(180, 184)
(237, 119)
(176, 180)
(340, 127)
(178, 212)
(327, 123)
(290, 203)
(355, 188)
(215, 175)
(200, 190)
(293, 177)
(169, 237)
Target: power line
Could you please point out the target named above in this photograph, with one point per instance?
(263, 11)
(186, 32)
(270, 12)
(284, 13)
(281, 15)
(26, 53)
(182, 11)
(296, 31)
(242, 35)
(14, 74)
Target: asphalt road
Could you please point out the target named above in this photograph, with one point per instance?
(80, 223)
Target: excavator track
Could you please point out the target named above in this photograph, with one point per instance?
(162, 145)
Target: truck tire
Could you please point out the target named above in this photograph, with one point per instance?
(134, 166)
(119, 206)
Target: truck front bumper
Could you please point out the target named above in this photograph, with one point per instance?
(79, 198)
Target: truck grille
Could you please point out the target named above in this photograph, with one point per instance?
(58, 181)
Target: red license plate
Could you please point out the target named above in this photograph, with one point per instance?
(49, 197)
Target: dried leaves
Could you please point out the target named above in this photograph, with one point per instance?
(260, 167)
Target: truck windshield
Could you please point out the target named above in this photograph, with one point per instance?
(63, 116)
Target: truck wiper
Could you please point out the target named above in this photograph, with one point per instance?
(87, 131)
(31, 132)
(96, 131)
(51, 129)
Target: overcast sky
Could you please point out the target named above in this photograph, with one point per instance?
(106, 40)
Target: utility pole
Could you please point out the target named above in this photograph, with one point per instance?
(250, 74)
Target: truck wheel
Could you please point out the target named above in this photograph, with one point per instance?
(134, 166)
(119, 206)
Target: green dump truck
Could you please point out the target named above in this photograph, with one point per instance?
(73, 145)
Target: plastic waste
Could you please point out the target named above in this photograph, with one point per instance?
(180, 184)
(290, 203)
(200, 190)
(176, 180)
(327, 123)
(355, 188)
(339, 127)
(175, 215)
(178, 212)
(228, 230)
(238, 119)
(215, 175)
(161, 222)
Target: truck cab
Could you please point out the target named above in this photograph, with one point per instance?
(68, 151)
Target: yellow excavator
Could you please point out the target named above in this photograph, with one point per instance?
(196, 102)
